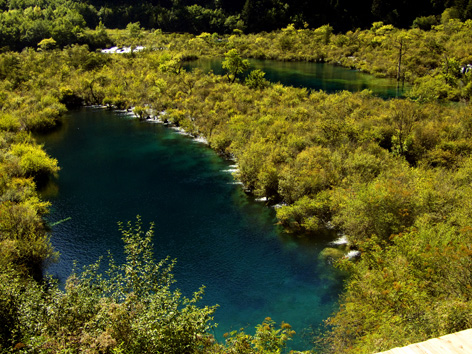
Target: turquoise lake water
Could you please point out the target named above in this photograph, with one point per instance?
(114, 167)
(316, 76)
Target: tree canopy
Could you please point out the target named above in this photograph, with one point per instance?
(25, 23)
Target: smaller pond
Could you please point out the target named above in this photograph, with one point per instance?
(316, 76)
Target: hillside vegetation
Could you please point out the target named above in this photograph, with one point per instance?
(26, 21)
(393, 176)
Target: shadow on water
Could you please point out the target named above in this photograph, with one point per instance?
(114, 167)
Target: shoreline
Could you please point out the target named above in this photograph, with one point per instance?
(341, 240)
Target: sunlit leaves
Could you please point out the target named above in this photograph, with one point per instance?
(132, 308)
(416, 289)
(33, 161)
(256, 80)
(234, 64)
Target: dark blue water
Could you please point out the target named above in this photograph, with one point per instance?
(317, 76)
(114, 167)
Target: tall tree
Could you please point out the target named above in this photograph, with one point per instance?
(234, 64)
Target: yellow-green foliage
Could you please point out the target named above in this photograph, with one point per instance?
(414, 55)
(25, 104)
(415, 289)
(9, 123)
(392, 175)
(23, 238)
(32, 160)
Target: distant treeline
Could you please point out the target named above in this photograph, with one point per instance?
(26, 22)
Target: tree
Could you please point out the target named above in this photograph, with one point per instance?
(404, 116)
(401, 45)
(267, 340)
(132, 309)
(234, 64)
(256, 80)
(134, 30)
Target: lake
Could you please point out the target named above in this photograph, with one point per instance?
(114, 167)
(316, 76)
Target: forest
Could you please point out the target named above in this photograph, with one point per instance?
(24, 23)
(394, 176)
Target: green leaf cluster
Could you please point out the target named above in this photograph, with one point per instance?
(131, 308)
